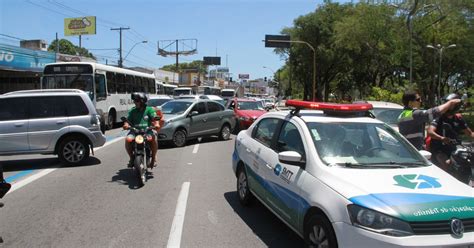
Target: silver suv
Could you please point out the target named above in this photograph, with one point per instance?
(62, 122)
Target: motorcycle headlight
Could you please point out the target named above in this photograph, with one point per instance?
(378, 222)
(139, 139)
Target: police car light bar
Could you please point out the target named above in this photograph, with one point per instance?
(356, 107)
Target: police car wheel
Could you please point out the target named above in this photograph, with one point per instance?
(245, 196)
(319, 232)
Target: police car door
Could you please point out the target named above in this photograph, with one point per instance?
(283, 179)
(257, 152)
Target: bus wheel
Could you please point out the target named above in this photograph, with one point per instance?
(110, 120)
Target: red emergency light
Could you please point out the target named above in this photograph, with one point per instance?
(336, 107)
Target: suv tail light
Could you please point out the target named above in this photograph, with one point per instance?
(95, 120)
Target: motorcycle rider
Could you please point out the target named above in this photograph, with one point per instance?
(411, 122)
(443, 146)
(142, 116)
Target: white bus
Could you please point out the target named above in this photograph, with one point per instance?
(209, 90)
(165, 89)
(183, 91)
(109, 87)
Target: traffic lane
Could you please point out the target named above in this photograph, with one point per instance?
(214, 216)
(96, 206)
(17, 167)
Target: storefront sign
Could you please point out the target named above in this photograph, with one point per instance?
(22, 59)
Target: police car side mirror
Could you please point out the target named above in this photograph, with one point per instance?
(290, 157)
(425, 154)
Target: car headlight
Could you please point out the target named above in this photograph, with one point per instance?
(378, 222)
(244, 118)
(167, 122)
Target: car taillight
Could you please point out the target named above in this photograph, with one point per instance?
(95, 120)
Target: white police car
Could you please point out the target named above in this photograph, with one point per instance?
(338, 178)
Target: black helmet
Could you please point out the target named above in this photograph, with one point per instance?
(139, 96)
(450, 97)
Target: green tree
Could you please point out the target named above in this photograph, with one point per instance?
(195, 65)
(66, 47)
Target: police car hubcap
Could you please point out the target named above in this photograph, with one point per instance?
(318, 237)
(242, 185)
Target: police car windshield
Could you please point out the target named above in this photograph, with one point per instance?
(364, 144)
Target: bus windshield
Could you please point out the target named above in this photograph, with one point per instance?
(178, 92)
(227, 93)
(81, 82)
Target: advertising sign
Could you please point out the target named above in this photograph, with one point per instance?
(17, 58)
(244, 76)
(79, 26)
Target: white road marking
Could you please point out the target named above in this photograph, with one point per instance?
(196, 148)
(190, 163)
(174, 240)
(45, 172)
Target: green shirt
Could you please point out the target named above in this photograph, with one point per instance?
(141, 119)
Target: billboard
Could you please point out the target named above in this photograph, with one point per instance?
(244, 76)
(22, 59)
(212, 60)
(79, 26)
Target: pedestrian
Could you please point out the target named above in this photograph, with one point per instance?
(412, 120)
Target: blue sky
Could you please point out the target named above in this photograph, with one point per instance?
(233, 28)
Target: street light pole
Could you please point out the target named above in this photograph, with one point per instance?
(145, 41)
(439, 48)
(314, 60)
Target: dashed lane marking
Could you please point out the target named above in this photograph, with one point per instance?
(174, 240)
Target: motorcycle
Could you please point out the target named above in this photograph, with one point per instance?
(4, 188)
(462, 157)
(141, 151)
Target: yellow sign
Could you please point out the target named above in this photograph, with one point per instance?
(79, 26)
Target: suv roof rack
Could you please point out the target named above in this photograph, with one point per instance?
(44, 91)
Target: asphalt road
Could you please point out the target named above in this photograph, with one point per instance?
(100, 205)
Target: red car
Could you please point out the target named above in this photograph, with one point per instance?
(246, 111)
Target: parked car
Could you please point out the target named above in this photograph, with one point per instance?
(246, 111)
(158, 100)
(387, 112)
(187, 118)
(214, 98)
(340, 179)
(62, 122)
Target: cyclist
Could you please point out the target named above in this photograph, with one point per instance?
(142, 116)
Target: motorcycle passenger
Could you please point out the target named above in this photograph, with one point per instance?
(411, 122)
(443, 146)
(142, 116)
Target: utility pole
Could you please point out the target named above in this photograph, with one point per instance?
(120, 62)
(57, 44)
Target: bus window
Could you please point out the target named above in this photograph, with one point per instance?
(121, 84)
(151, 86)
(100, 91)
(111, 84)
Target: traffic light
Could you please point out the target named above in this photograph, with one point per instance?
(230, 79)
(265, 79)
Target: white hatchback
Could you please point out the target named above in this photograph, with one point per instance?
(340, 178)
